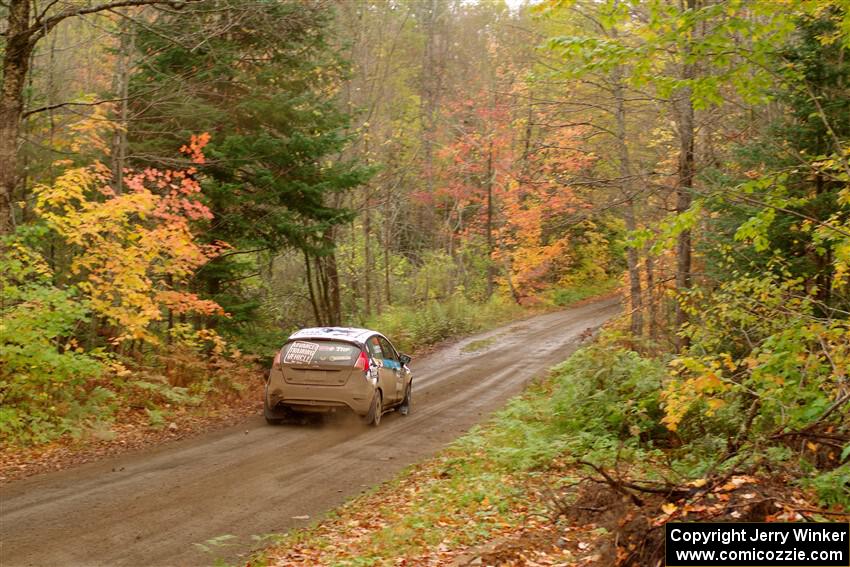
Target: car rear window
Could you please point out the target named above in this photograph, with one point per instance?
(325, 353)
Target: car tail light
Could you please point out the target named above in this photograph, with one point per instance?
(362, 362)
(277, 358)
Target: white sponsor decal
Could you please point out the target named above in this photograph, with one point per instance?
(300, 352)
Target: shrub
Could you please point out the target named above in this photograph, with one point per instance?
(416, 327)
(43, 371)
(610, 392)
(600, 401)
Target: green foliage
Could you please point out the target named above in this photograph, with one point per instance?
(708, 34)
(761, 362)
(601, 401)
(606, 405)
(259, 340)
(768, 328)
(833, 487)
(155, 393)
(610, 393)
(434, 279)
(596, 253)
(792, 203)
(156, 418)
(43, 375)
(50, 384)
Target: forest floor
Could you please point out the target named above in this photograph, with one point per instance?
(455, 510)
(132, 431)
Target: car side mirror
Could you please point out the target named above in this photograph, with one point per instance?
(404, 359)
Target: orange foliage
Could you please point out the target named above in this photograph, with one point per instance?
(530, 193)
(534, 240)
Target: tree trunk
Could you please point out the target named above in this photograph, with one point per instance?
(51, 89)
(22, 35)
(333, 280)
(23, 165)
(626, 188)
(352, 270)
(308, 276)
(16, 61)
(650, 297)
(824, 262)
(489, 184)
(526, 143)
(367, 255)
(431, 87)
(387, 236)
(121, 86)
(329, 271)
(510, 280)
(684, 186)
(321, 292)
(170, 322)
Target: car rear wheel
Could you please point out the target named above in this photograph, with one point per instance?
(375, 411)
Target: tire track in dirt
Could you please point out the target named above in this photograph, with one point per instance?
(253, 479)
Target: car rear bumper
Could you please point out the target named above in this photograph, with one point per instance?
(318, 398)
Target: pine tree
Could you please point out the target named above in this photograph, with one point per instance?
(261, 78)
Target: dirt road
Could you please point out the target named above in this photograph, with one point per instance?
(151, 508)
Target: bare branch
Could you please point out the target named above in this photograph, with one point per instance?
(41, 27)
(43, 13)
(29, 113)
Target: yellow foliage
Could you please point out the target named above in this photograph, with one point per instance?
(702, 383)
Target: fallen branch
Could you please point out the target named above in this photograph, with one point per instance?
(837, 404)
(822, 512)
(625, 487)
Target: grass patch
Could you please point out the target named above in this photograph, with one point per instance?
(480, 344)
(449, 502)
(566, 296)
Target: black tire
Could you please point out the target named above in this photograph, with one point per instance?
(376, 410)
(404, 408)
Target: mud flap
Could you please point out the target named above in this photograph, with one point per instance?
(276, 414)
(404, 408)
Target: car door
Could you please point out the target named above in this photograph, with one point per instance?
(392, 362)
(386, 376)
